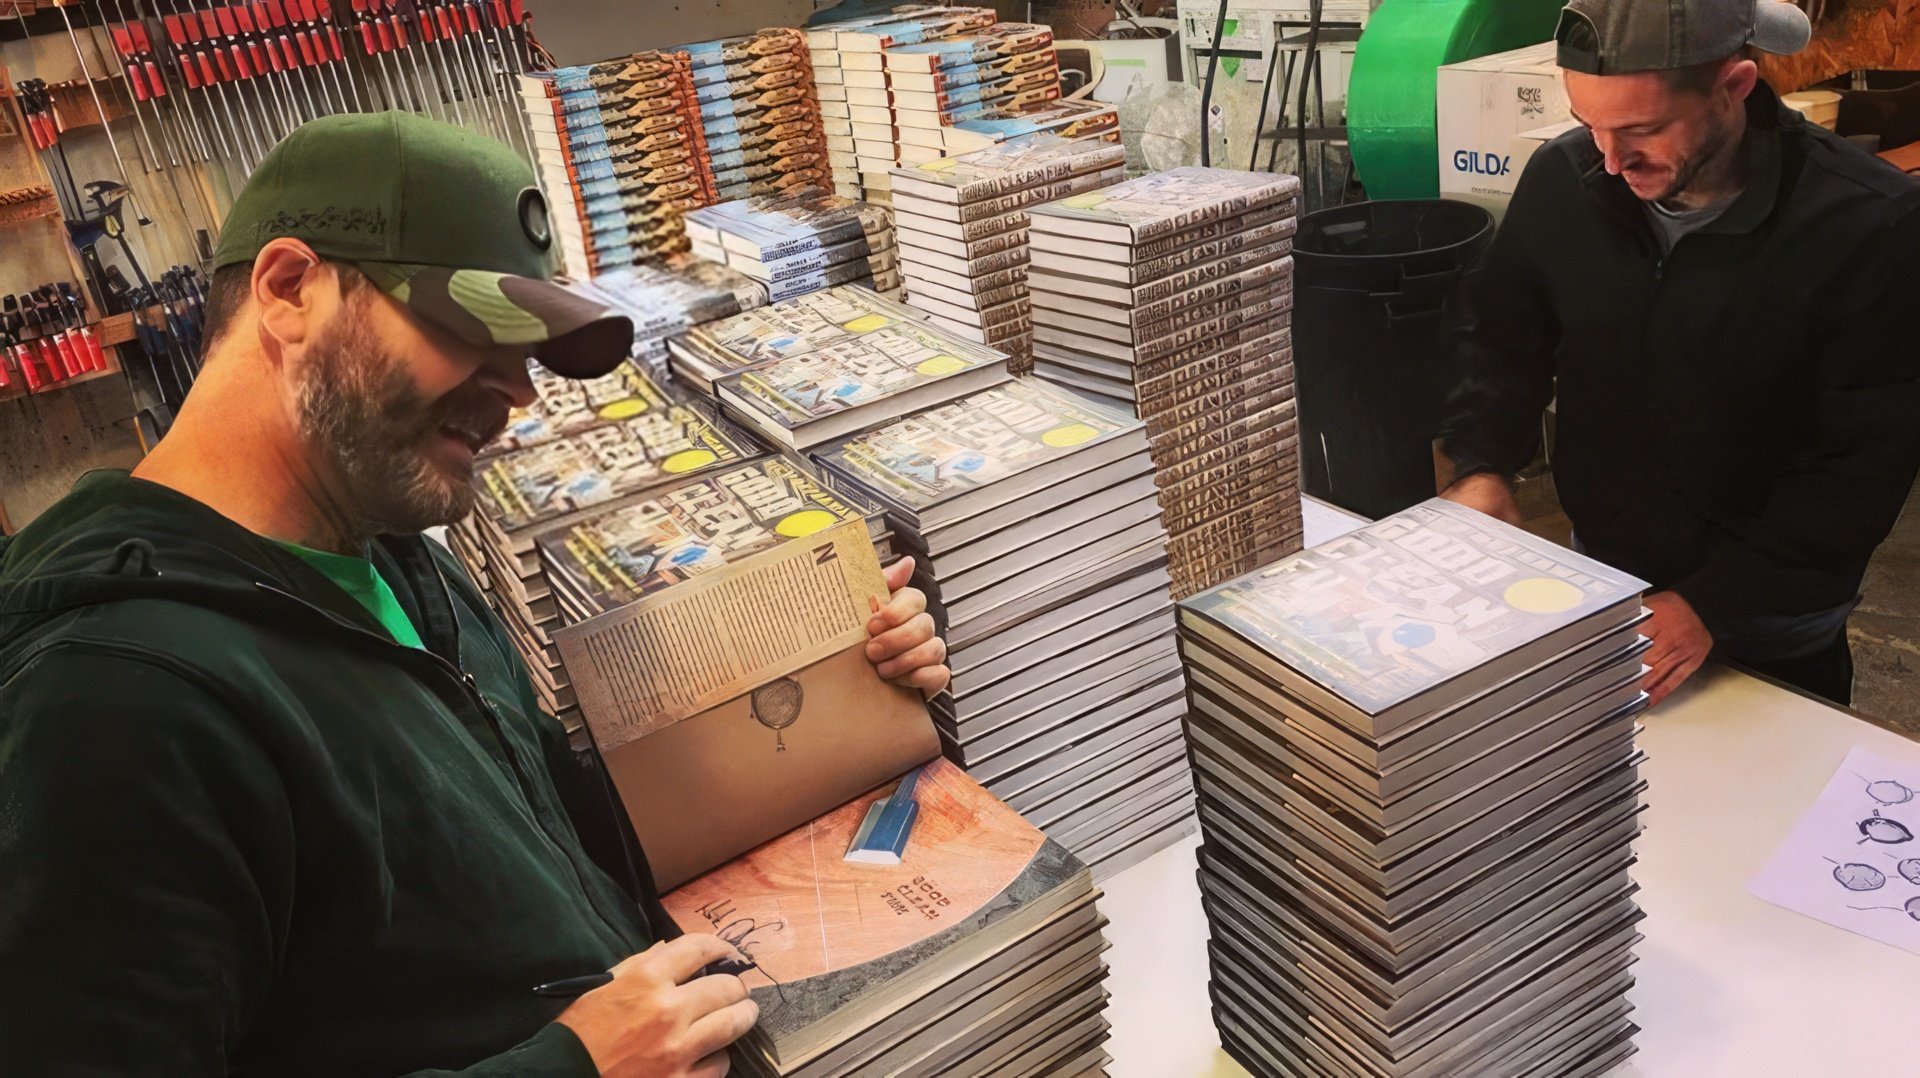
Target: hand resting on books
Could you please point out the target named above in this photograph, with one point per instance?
(904, 649)
(1681, 643)
(660, 1018)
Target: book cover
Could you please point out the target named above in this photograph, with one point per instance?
(610, 559)
(834, 940)
(1009, 167)
(919, 462)
(531, 486)
(568, 405)
(996, 42)
(1070, 119)
(1411, 601)
(797, 326)
(1163, 203)
(858, 370)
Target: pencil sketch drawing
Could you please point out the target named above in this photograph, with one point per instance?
(1911, 909)
(1909, 869)
(1878, 828)
(777, 705)
(1858, 877)
(1887, 791)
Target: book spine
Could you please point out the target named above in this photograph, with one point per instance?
(1198, 333)
(1241, 246)
(1233, 205)
(1215, 290)
(1172, 247)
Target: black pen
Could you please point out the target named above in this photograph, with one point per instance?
(568, 987)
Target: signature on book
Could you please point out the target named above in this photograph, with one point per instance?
(742, 933)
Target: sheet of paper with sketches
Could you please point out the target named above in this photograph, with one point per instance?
(1853, 860)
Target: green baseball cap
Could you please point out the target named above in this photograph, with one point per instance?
(448, 222)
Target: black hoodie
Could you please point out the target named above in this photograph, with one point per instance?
(1739, 420)
(243, 831)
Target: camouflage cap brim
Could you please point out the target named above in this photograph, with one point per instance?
(568, 333)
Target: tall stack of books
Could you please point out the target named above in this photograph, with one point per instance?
(932, 85)
(1172, 294)
(668, 298)
(1414, 748)
(620, 146)
(812, 370)
(849, 55)
(963, 230)
(800, 242)
(1035, 512)
(979, 952)
(583, 445)
(759, 113)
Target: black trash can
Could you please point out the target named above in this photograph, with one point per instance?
(1371, 285)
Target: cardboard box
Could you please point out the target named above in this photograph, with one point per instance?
(1481, 106)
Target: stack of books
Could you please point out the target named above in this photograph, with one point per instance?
(1172, 294)
(809, 371)
(978, 952)
(621, 155)
(962, 230)
(926, 88)
(800, 242)
(759, 113)
(1034, 512)
(851, 53)
(582, 446)
(1414, 748)
(667, 298)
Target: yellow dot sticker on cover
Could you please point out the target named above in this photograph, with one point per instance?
(866, 323)
(1543, 595)
(804, 522)
(1069, 436)
(625, 409)
(939, 164)
(687, 460)
(941, 365)
(1084, 202)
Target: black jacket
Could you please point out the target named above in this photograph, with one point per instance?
(243, 831)
(1739, 421)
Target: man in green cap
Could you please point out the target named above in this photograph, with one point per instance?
(276, 794)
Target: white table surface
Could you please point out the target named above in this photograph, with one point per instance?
(1727, 985)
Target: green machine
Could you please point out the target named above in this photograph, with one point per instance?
(1390, 97)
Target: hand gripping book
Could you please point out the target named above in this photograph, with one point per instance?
(958, 460)
(839, 947)
(1162, 203)
(1411, 614)
(813, 397)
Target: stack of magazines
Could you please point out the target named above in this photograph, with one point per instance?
(1172, 294)
(1414, 748)
(1034, 511)
(800, 242)
(963, 230)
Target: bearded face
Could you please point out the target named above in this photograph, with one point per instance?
(404, 462)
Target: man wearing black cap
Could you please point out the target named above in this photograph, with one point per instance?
(276, 794)
(1719, 295)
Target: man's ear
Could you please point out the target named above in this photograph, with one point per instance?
(1740, 78)
(290, 286)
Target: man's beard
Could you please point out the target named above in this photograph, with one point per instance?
(1718, 138)
(360, 410)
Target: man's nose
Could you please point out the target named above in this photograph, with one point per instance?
(1609, 148)
(509, 377)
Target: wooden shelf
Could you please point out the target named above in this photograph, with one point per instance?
(18, 387)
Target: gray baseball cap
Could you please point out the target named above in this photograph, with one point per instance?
(1619, 37)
